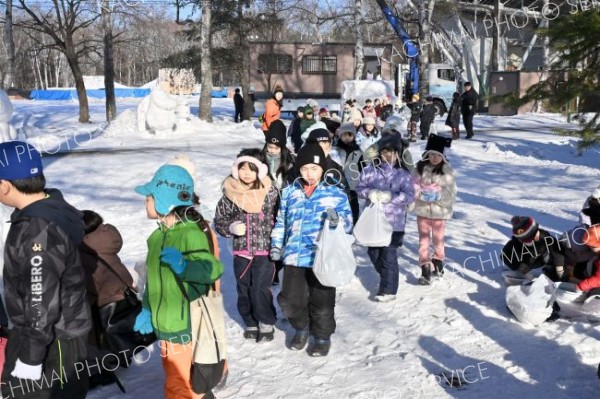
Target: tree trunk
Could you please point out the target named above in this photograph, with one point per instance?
(496, 36)
(9, 45)
(424, 14)
(109, 63)
(244, 53)
(84, 110)
(359, 64)
(206, 63)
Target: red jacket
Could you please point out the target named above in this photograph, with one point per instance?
(591, 282)
(272, 113)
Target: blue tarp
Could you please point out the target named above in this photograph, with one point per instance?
(71, 94)
(219, 93)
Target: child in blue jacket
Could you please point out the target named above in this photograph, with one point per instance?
(304, 207)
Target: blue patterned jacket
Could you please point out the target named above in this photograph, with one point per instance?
(301, 218)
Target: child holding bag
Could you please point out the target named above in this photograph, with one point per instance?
(246, 212)
(305, 204)
(179, 250)
(388, 182)
(436, 194)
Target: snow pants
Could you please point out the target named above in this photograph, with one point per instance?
(306, 302)
(177, 363)
(431, 229)
(254, 279)
(385, 260)
(64, 373)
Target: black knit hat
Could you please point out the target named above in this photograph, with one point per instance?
(276, 134)
(311, 153)
(438, 143)
(524, 228)
(318, 135)
(391, 142)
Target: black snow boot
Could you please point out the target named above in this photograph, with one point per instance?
(300, 339)
(266, 333)
(319, 348)
(598, 370)
(439, 267)
(251, 333)
(425, 274)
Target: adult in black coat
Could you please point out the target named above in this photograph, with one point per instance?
(453, 119)
(468, 106)
(238, 102)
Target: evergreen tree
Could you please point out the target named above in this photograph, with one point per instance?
(576, 42)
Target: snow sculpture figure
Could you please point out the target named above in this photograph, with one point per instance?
(7, 131)
(156, 113)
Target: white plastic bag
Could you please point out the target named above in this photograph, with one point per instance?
(531, 304)
(334, 261)
(372, 228)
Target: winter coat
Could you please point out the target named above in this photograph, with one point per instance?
(385, 177)
(372, 153)
(305, 124)
(369, 112)
(591, 282)
(301, 218)
(44, 282)
(103, 285)
(468, 101)
(277, 174)
(259, 225)
(545, 251)
(162, 296)
(453, 119)
(347, 115)
(443, 208)
(428, 113)
(334, 175)
(294, 133)
(571, 243)
(238, 101)
(415, 110)
(365, 140)
(272, 113)
(349, 156)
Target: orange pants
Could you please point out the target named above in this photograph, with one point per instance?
(177, 363)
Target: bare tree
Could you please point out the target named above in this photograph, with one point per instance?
(206, 63)
(9, 44)
(109, 62)
(359, 55)
(61, 22)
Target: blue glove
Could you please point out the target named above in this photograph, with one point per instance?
(143, 322)
(333, 218)
(173, 258)
(430, 196)
(275, 254)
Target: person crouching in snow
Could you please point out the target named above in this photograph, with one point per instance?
(531, 247)
(591, 285)
(436, 194)
(178, 255)
(246, 212)
(389, 183)
(304, 206)
(590, 212)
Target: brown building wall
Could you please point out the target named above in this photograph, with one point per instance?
(299, 84)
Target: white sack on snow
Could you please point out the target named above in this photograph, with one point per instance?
(531, 304)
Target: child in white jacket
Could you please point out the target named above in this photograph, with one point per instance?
(435, 196)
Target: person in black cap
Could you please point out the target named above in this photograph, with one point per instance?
(277, 156)
(294, 132)
(304, 207)
(468, 106)
(532, 247)
(434, 205)
(44, 283)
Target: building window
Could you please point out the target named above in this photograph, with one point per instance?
(319, 65)
(272, 63)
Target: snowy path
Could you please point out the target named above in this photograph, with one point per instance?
(395, 350)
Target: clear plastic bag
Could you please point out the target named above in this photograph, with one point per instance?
(334, 261)
(372, 228)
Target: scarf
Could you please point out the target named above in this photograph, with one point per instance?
(251, 201)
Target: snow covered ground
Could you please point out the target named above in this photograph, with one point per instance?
(410, 348)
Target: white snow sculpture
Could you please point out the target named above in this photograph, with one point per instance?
(157, 113)
(7, 131)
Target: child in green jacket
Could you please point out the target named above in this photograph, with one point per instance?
(179, 249)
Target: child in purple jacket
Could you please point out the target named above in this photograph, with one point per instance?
(388, 182)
